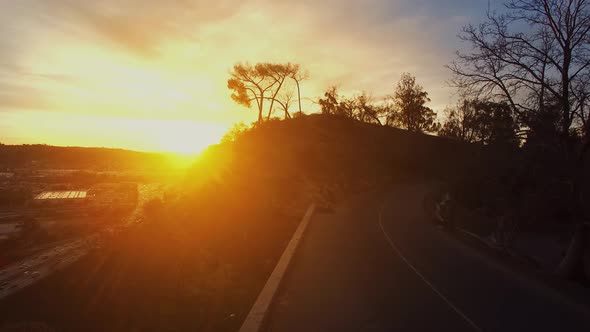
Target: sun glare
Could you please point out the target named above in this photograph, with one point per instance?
(187, 137)
(117, 99)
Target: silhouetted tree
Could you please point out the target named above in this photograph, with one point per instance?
(543, 73)
(458, 123)
(285, 101)
(544, 127)
(548, 60)
(278, 73)
(365, 110)
(408, 107)
(248, 85)
(477, 121)
(298, 76)
(258, 83)
(360, 107)
(236, 131)
(329, 104)
(333, 104)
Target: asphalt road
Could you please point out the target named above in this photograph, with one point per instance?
(377, 265)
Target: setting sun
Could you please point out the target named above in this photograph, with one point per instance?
(186, 137)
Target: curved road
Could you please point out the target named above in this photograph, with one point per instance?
(377, 265)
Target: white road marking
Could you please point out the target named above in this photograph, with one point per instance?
(436, 291)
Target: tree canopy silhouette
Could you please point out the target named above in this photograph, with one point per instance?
(409, 110)
(534, 56)
(264, 82)
(478, 121)
(360, 107)
(550, 60)
(331, 103)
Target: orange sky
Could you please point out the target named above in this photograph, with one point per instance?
(151, 75)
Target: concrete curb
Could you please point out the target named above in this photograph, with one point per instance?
(256, 318)
(480, 239)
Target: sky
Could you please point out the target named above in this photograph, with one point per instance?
(152, 75)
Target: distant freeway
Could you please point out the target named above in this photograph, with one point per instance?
(28, 271)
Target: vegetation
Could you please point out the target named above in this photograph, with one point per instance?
(359, 107)
(266, 82)
(404, 109)
(483, 122)
(548, 65)
(409, 109)
(539, 76)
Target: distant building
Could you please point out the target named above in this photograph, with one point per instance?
(61, 197)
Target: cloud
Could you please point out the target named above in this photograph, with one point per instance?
(21, 97)
(98, 52)
(136, 25)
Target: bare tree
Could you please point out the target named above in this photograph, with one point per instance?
(249, 84)
(536, 57)
(548, 60)
(298, 76)
(285, 101)
(258, 83)
(278, 73)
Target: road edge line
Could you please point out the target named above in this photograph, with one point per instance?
(258, 314)
(428, 283)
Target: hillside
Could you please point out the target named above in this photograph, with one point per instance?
(55, 157)
(337, 150)
(199, 258)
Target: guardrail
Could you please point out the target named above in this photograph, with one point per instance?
(258, 314)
